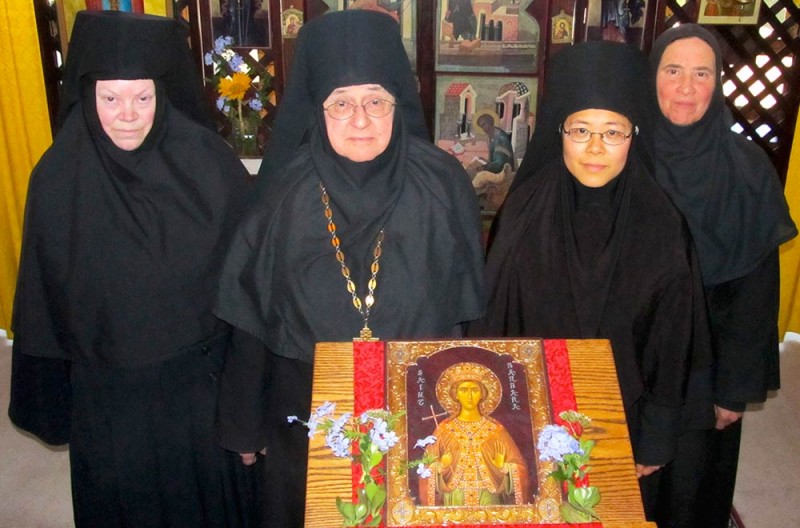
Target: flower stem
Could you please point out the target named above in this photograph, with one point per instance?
(241, 120)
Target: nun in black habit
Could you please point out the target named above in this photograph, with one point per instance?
(405, 218)
(731, 196)
(587, 246)
(128, 216)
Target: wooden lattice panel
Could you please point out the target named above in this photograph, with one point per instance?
(761, 74)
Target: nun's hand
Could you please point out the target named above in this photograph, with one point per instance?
(643, 471)
(248, 459)
(726, 417)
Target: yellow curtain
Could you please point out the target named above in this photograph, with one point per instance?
(24, 133)
(790, 252)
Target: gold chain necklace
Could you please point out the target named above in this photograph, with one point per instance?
(369, 299)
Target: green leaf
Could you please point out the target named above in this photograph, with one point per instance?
(375, 459)
(573, 515)
(348, 511)
(377, 500)
(361, 512)
(376, 521)
(370, 490)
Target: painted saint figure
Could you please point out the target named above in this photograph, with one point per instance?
(477, 462)
(494, 178)
(461, 14)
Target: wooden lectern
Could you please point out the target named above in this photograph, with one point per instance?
(596, 392)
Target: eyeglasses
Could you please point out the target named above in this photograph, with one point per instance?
(609, 137)
(341, 110)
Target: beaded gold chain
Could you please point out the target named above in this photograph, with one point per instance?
(369, 299)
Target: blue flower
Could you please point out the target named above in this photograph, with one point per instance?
(555, 442)
(336, 439)
(255, 104)
(220, 103)
(323, 411)
(428, 440)
(209, 59)
(292, 419)
(236, 63)
(339, 443)
(221, 43)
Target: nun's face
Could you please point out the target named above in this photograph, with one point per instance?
(362, 136)
(595, 163)
(126, 109)
(685, 80)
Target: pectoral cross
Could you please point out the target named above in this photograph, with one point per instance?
(433, 416)
(365, 335)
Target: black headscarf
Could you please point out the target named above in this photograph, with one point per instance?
(593, 85)
(723, 184)
(121, 248)
(281, 281)
(325, 59)
(116, 45)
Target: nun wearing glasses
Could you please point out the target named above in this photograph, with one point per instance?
(587, 246)
(362, 226)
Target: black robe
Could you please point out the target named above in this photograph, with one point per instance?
(731, 196)
(283, 290)
(614, 262)
(282, 287)
(116, 350)
(644, 303)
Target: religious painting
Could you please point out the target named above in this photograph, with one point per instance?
(486, 122)
(404, 11)
(728, 12)
(561, 30)
(496, 36)
(291, 22)
(67, 9)
(244, 21)
(472, 410)
(616, 20)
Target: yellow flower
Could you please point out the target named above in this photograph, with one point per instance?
(234, 87)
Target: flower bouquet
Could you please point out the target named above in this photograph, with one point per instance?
(564, 446)
(245, 93)
(365, 440)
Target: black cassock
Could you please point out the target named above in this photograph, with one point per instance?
(116, 350)
(613, 262)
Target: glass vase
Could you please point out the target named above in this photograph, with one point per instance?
(244, 137)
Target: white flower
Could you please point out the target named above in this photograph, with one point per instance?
(380, 435)
(428, 440)
(423, 471)
(228, 54)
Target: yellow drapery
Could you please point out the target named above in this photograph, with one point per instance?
(24, 133)
(790, 252)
